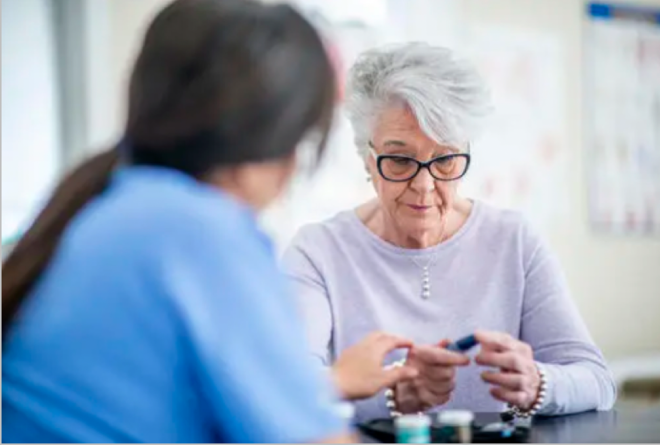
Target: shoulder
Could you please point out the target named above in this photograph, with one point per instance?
(183, 205)
(326, 236)
(501, 219)
(508, 230)
(504, 220)
(319, 245)
(152, 213)
(324, 233)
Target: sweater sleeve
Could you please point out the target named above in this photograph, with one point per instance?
(578, 378)
(312, 297)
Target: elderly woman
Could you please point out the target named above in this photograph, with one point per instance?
(426, 263)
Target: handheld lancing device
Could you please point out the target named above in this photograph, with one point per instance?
(464, 344)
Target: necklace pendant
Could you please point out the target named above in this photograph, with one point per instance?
(426, 282)
(426, 286)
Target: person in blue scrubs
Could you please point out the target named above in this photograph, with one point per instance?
(144, 304)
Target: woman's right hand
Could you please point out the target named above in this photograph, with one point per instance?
(359, 373)
(436, 379)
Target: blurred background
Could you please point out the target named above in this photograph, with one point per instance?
(574, 142)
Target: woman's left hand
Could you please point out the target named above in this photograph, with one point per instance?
(517, 382)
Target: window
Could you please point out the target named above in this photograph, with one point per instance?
(30, 111)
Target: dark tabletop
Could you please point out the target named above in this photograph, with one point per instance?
(625, 424)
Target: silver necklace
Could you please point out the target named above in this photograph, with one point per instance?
(426, 282)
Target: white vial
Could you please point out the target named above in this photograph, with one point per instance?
(460, 421)
(413, 428)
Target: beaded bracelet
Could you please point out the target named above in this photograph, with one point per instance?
(390, 401)
(538, 403)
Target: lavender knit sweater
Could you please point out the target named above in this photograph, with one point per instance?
(494, 274)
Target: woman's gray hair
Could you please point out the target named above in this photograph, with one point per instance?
(446, 94)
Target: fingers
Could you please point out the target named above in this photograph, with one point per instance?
(430, 399)
(436, 388)
(502, 360)
(387, 343)
(444, 343)
(438, 373)
(502, 342)
(383, 343)
(493, 340)
(435, 356)
(393, 376)
(516, 398)
(508, 361)
(507, 380)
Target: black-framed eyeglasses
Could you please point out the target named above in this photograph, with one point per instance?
(400, 168)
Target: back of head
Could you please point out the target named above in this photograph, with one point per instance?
(217, 83)
(224, 82)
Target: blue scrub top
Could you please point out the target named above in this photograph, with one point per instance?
(163, 317)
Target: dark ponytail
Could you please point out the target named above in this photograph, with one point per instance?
(33, 252)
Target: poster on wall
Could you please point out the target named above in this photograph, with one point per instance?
(622, 118)
(520, 161)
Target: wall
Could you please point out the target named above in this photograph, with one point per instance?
(615, 280)
(128, 20)
(30, 109)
